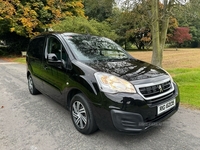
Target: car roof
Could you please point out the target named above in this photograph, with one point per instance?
(60, 33)
(65, 33)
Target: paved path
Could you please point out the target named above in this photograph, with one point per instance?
(38, 123)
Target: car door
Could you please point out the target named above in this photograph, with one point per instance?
(56, 76)
(35, 56)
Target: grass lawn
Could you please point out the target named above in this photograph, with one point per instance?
(188, 81)
(20, 60)
(15, 59)
(184, 67)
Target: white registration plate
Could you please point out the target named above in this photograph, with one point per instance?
(166, 106)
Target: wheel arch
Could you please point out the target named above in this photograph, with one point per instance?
(27, 74)
(70, 95)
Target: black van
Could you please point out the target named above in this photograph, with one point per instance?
(100, 83)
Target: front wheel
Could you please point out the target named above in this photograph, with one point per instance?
(82, 116)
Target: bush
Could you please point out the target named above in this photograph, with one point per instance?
(15, 44)
(2, 51)
(82, 25)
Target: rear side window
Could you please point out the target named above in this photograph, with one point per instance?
(36, 47)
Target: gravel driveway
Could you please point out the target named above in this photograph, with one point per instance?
(38, 123)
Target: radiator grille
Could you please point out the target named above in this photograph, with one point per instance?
(154, 90)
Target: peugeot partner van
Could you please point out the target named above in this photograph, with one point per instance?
(101, 85)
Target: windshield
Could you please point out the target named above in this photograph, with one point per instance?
(86, 47)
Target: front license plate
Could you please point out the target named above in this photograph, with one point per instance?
(166, 106)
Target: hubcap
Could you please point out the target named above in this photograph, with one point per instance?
(30, 84)
(79, 114)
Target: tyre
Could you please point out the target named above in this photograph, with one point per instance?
(82, 116)
(31, 86)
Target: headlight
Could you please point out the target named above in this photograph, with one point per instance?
(112, 84)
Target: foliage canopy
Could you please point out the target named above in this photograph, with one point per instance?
(181, 34)
(99, 10)
(101, 17)
(83, 25)
(28, 18)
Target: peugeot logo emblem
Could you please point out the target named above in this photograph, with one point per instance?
(160, 88)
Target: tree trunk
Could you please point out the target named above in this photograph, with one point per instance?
(157, 53)
(164, 27)
(159, 37)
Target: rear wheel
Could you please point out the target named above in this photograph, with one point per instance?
(31, 86)
(82, 116)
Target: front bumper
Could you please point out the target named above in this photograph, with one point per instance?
(134, 122)
(131, 113)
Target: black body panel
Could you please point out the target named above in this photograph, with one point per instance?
(58, 73)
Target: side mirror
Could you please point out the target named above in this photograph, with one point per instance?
(52, 57)
(53, 61)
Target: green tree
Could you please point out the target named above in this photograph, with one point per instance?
(98, 9)
(136, 16)
(28, 18)
(159, 32)
(188, 15)
(156, 15)
(83, 25)
(121, 22)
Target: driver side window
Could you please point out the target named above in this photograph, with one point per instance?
(56, 47)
